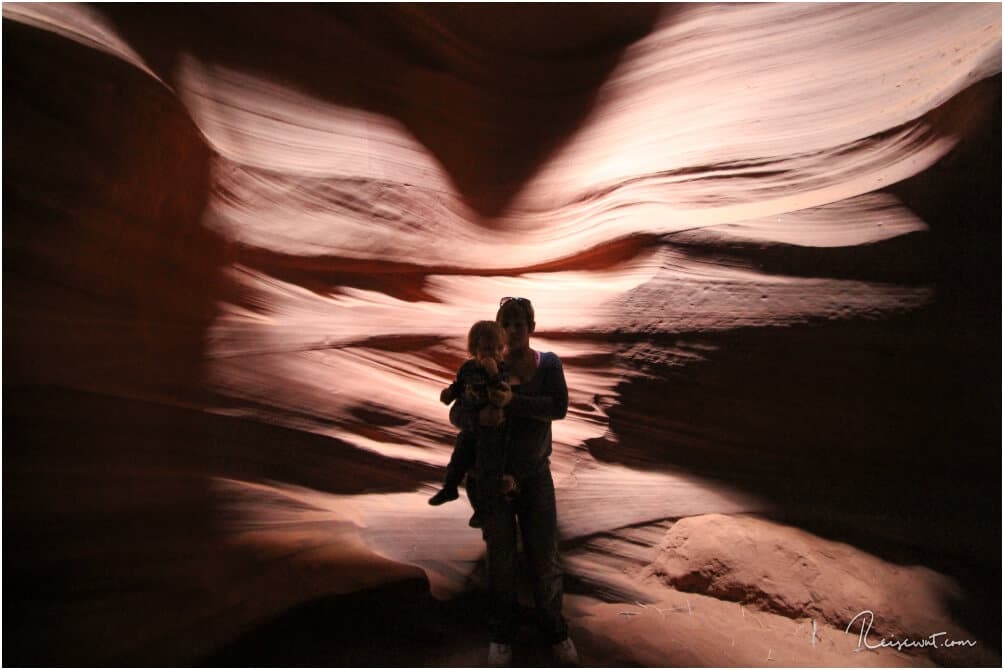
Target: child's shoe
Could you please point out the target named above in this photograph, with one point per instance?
(445, 495)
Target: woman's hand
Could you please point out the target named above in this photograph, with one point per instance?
(500, 396)
(509, 487)
(490, 416)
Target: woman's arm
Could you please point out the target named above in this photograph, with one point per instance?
(549, 405)
(463, 419)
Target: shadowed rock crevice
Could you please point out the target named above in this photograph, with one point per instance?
(167, 308)
(844, 428)
(490, 138)
(902, 260)
(861, 430)
(112, 511)
(112, 275)
(400, 624)
(108, 292)
(325, 275)
(960, 198)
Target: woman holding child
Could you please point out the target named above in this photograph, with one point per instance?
(513, 485)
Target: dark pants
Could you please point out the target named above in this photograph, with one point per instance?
(462, 459)
(535, 509)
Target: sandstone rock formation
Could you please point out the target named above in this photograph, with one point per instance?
(784, 570)
(242, 245)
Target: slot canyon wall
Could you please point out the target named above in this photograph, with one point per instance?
(243, 244)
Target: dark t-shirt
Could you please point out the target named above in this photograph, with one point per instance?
(473, 383)
(535, 404)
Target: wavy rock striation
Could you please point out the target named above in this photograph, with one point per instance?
(242, 248)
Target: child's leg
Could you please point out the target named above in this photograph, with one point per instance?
(462, 460)
(463, 451)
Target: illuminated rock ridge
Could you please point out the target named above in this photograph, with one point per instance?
(243, 246)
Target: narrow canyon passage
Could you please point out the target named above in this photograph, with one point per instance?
(243, 245)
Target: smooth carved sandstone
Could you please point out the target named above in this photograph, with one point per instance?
(243, 245)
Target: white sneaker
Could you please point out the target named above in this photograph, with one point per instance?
(499, 655)
(564, 653)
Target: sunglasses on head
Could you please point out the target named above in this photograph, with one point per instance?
(506, 299)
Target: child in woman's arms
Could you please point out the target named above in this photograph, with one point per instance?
(479, 381)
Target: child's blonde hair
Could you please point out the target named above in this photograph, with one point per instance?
(484, 329)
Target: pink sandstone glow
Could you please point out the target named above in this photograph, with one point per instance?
(362, 228)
